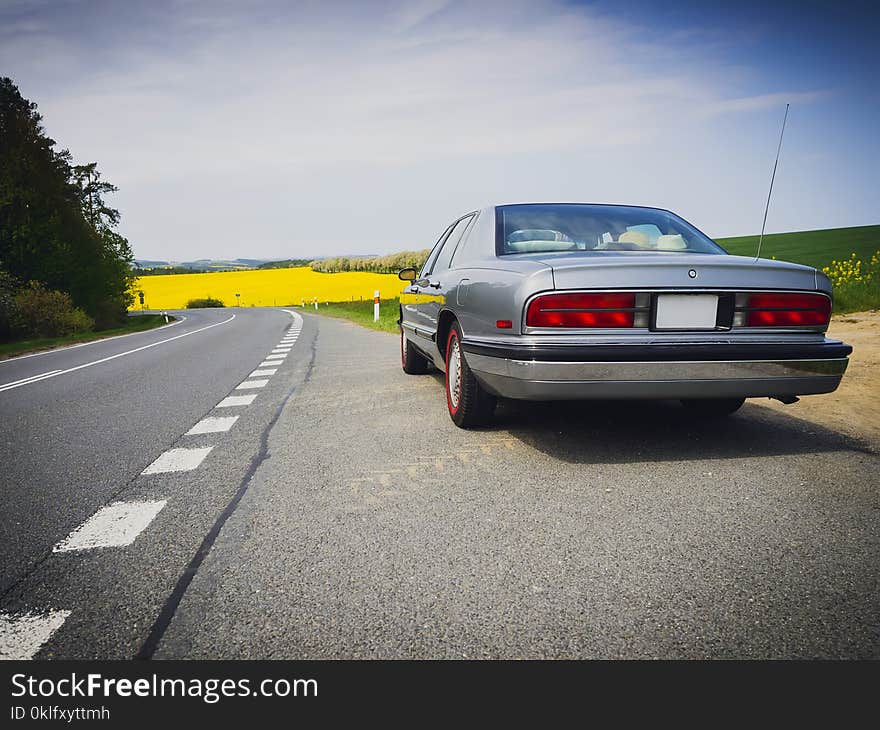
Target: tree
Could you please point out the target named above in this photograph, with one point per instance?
(55, 227)
(91, 192)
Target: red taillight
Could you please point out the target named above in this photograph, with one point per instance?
(788, 310)
(581, 310)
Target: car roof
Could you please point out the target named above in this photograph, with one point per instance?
(577, 202)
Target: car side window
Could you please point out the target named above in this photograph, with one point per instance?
(441, 262)
(429, 262)
(482, 227)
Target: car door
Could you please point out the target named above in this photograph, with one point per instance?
(436, 282)
(416, 327)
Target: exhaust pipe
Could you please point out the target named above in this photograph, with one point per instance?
(787, 399)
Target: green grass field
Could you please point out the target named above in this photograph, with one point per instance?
(813, 248)
(362, 313)
(136, 323)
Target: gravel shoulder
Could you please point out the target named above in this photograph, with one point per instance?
(854, 408)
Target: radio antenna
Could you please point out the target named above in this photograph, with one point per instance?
(772, 178)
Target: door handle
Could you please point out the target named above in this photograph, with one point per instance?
(434, 284)
(414, 290)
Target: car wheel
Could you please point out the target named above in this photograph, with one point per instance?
(713, 407)
(412, 361)
(469, 405)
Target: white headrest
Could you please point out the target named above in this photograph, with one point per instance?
(672, 242)
(636, 237)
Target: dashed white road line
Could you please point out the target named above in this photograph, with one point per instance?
(56, 373)
(269, 364)
(22, 635)
(280, 350)
(258, 373)
(213, 424)
(248, 384)
(276, 356)
(115, 525)
(239, 400)
(178, 460)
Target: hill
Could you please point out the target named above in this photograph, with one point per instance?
(813, 248)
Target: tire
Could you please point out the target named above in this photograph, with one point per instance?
(412, 361)
(469, 405)
(713, 407)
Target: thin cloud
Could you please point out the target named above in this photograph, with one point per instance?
(170, 98)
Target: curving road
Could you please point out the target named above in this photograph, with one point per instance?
(343, 515)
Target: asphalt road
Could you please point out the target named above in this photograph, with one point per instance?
(344, 516)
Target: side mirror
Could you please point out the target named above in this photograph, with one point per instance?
(407, 274)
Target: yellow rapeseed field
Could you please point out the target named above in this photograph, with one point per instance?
(264, 287)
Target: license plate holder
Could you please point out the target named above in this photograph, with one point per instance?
(685, 312)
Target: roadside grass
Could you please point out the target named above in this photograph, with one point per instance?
(813, 248)
(135, 323)
(362, 313)
(861, 296)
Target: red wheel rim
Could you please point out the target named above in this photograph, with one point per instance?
(452, 344)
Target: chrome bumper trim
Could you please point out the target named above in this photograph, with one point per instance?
(540, 380)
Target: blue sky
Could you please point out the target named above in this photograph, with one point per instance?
(276, 129)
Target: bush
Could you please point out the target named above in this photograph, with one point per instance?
(856, 283)
(8, 288)
(111, 312)
(205, 302)
(41, 312)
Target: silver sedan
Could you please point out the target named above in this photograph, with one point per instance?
(569, 301)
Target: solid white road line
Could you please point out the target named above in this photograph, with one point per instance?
(239, 400)
(276, 356)
(178, 460)
(248, 384)
(10, 386)
(115, 525)
(24, 381)
(269, 364)
(22, 635)
(213, 424)
(92, 342)
(258, 373)
(280, 350)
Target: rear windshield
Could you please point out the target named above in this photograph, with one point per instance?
(595, 228)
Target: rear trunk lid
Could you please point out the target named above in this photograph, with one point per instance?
(620, 270)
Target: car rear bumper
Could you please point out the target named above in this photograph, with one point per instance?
(648, 371)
